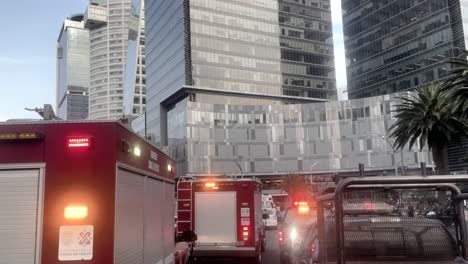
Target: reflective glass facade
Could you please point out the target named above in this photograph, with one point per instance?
(306, 39)
(73, 70)
(256, 47)
(135, 83)
(398, 45)
(235, 45)
(208, 137)
(108, 49)
(165, 58)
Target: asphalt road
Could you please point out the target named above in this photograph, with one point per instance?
(271, 254)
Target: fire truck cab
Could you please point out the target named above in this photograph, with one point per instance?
(226, 215)
(83, 192)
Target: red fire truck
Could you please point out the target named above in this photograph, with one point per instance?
(83, 192)
(226, 215)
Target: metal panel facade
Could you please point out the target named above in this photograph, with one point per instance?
(19, 207)
(211, 137)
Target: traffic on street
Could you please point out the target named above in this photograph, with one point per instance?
(234, 131)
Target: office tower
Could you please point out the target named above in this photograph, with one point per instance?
(243, 54)
(306, 40)
(135, 83)
(73, 69)
(394, 46)
(108, 23)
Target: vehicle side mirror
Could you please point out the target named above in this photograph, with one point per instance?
(189, 236)
(265, 216)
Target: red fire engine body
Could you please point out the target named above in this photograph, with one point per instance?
(226, 215)
(83, 192)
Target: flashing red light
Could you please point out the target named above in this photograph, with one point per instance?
(280, 236)
(173, 169)
(369, 206)
(245, 228)
(78, 142)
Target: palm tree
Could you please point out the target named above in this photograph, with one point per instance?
(457, 82)
(427, 116)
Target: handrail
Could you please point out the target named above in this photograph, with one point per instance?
(404, 180)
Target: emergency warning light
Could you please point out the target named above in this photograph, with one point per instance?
(19, 136)
(78, 142)
(76, 212)
(210, 184)
(245, 233)
(302, 207)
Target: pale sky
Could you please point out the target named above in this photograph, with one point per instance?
(30, 30)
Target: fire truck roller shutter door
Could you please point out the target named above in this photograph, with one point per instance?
(129, 209)
(153, 221)
(21, 201)
(216, 217)
(144, 214)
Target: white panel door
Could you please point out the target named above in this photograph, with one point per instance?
(215, 217)
(19, 208)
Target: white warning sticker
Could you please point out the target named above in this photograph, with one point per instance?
(76, 242)
(245, 212)
(245, 221)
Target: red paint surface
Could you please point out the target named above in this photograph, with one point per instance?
(245, 193)
(79, 176)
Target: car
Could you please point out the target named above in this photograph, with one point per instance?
(271, 221)
(297, 221)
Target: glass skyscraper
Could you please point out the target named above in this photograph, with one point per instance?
(248, 82)
(108, 22)
(73, 69)
(134, 101)
(236, 48)
(306, 40)
(398, 45)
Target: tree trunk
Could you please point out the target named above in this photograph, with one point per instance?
(439, 154)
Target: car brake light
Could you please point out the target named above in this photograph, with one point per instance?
(312, 249)
(78, 142)
(76, 212)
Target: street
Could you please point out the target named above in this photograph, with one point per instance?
(271, 255)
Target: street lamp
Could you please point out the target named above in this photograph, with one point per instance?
(392, 145)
